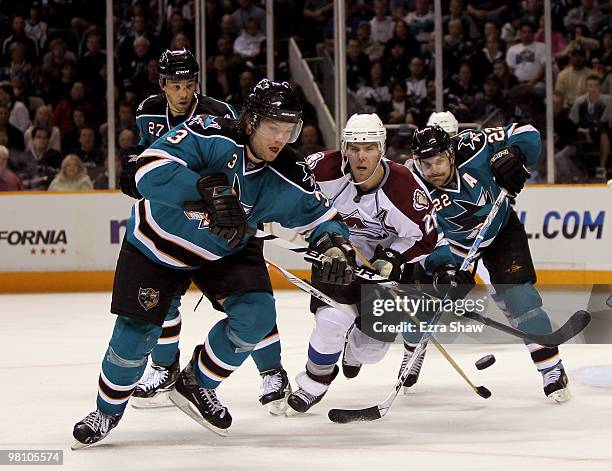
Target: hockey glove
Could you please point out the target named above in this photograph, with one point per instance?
(129, 167)
(339, 261)
(450, 281)
(226, 217)
(508, 168)
(388, 262)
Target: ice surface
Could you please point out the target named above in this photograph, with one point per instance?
(52, 346)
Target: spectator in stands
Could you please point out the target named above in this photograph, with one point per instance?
(587, 13)
(399, 103)
(566, 168)
(41, 150)
(357, 65)
(8, 180)
(91, 62)
(134, 73)
(18, 68)
(228, 27)
(72, 176)
(416, 83)
(62, 114)
(456, 11)
(135, 29)
(402, 34)
(456, 48)
(373, 50)
(559, 43)
(464, 87)
(180, 41)
(316, 15)
(571, 82)
(376, 91)
(396, 63)
(246, 9)
(579, 35)
(311, 140)
(53, 62)
(526, 60)
(248, 43)
(70, 140)
(19, 35)
(59, 90)
(13, 135)
(233, 62)
(218, 80)
(44, 119)
(420, 21)
(506, 78)
(602, 59)
(483, 59)
(592, 113)
(18, 113)
(245, 85)
(382, 24)
(126, 139)
(486, 10)
(90, 155)
(35, 27)
(489, 101)
(101, 181)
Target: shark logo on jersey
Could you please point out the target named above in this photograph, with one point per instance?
(313, 159)
(371, 230)
(469, 139)
(148, 298)
(473, 214)
(309, 178)
(209, 122)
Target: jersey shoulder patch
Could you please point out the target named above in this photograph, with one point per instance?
(325, 165)
(468, 144)
(404, 191)
(205, 125)
(208, 105)
(290, 165)
(154, 104)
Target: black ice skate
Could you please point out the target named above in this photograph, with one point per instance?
(555, 385)
(350, 365)
(199, 403)
(93, 428)
(275, 389)
(413, 376)
(152, 390)
(310, 393)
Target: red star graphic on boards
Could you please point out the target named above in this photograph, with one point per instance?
(53, 251)
(33, 251)
(63, 251)
(43, 251)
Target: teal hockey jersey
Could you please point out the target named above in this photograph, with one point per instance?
(153, 117)
(464, 204)
(283, 191)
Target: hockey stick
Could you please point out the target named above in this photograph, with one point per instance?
(480, 390)
(351, 309)
(378, 411)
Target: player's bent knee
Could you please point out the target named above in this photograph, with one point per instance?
(366, 349)
(251, 315)
(133, 338)
(521, 299)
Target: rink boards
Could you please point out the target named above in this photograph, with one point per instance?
(70, 241)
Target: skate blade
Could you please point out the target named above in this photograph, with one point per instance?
(188, 408)
(77, 445)
(561, 395)
(155, 402)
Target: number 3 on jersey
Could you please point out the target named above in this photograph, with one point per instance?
(178, 137)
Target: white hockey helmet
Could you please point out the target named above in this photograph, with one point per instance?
(364, 128)
(446, 120)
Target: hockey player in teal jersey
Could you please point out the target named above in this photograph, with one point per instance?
(465, 174)
(179, 102)
(190, 217)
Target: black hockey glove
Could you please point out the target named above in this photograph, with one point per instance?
(508, 168)
(339, 261)
(129, 167)
(450, 281)
(388, 262)
(226, 217)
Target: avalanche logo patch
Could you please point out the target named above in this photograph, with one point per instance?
(313, 159)
(419, 200)
(148, 298)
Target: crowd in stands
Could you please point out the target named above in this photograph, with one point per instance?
(53, 77)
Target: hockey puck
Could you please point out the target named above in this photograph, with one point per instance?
(485, 362)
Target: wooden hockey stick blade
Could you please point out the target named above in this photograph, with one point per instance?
(574, 325)
(345, 416)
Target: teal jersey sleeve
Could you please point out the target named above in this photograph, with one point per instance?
(145, 139)
(176, 162)
(525, 137)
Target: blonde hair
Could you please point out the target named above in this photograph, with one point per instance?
(71, 158)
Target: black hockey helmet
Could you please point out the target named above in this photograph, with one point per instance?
(178, 65)
(430, 141)
(274, 100)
